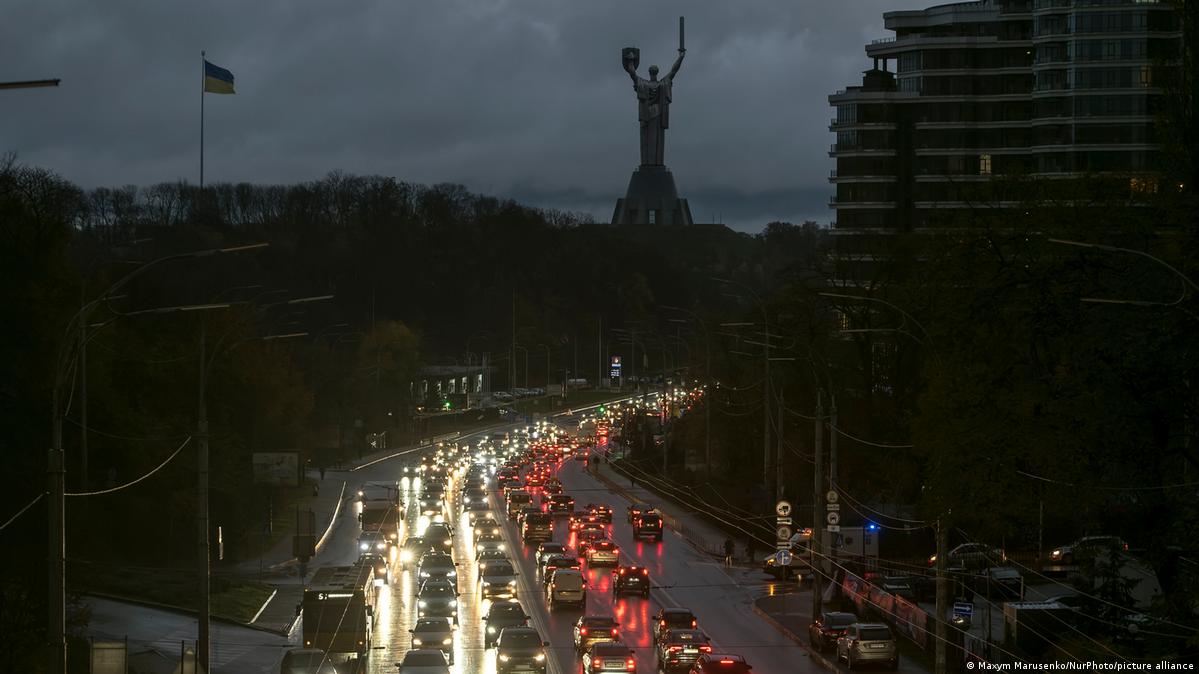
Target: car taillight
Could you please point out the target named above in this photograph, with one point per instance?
(694, 624)
(630, 664)
(597, 663)
(674, 649)
(622, 572)
(613, 631)
(645, 572)
(583, 631)
(705, 648)
(726, 661)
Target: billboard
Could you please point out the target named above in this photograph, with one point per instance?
(277, 468)
(614, 372)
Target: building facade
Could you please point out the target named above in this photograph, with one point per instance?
(968, 91)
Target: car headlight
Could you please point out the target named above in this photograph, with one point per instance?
(500, 547)
(424, 574)
(504, 658)
(416, 642)
(452, 573)
(406, 556)
(491, 630)
(422, 604)
(539, 657)
(512, 583)
(364, 546)
(453, 602)
(447, 641)
(380, 545)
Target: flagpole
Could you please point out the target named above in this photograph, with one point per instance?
(202, 119)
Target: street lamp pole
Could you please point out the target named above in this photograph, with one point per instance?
(766, 390)
(707, 385)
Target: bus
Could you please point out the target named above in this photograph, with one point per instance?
(338, 609)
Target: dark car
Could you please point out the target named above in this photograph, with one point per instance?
(679, 649)
(414, 548)
(437, 566)
(648, 526)
(424, 661)
(379, 563)
(437, 599)
(555, 562)
(548, 548)
(499, 616)
(434, 633)
(584, 539)
(638, 509)
(971, 556)
(593, 628)
(604, 512)
(537, 527)
(673, 619)
(307, 661)
(519, 649)
(440, 533)
(560, 504)
(1087, 548)
(609, 656)
(497, 579)
(720, 663)
(626, 579)
(824, 632)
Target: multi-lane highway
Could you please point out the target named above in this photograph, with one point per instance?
(681, 577)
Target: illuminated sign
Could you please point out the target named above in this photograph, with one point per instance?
(615, 371)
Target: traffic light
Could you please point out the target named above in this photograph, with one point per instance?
(602, 410)
(447, 405)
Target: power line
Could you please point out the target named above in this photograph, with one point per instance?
(1103, 488)
(22, 511)
(143, 477)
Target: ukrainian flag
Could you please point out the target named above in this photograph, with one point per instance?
(217, 80)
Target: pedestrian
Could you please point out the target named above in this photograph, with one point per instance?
(322, 473)
(316, 489)
(728, 552)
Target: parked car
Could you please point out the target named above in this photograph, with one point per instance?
(830, 626)
(868, 642)
(999, 582)
(972, 556)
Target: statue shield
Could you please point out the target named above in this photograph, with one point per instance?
(631, 55)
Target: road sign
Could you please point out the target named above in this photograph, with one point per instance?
(963, 608)
(833, 518)
(834, 528)
(782, 509)
(831, 496)
(832, 506)
(783, 533)
(783, 558)
(783, 520)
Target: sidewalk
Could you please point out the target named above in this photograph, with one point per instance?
(330, 494)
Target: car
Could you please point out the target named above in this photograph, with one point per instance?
(476, 510)
(971, 556)
(560, 504)
(609, 656)
(626, 579)
(534, 479)
(497, 580)
(825, 630)
(673, 618)
(306, 661)
(440, 533)
(437, 598)
(679, 649)
(489, 542)
(648, 526)
(485, 525)
(437, 566)
(413, 549)
(591, 629)
(424, 661)
(604, 512)
(430, 505)
(584, 539)
(525, 511)
(434, 633)
(372, 541)
(502, 614)
(554, 562)
(720, 663)
(516, 500)
(485, 556)
(379, 562)
(1000, 582)
(1087, 548)
(566, 586)
(537, 527)
(544, 550)
(602, 553)
(578, 517)
(520, 649)
(868, 642)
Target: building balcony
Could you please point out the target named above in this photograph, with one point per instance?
(834, 202)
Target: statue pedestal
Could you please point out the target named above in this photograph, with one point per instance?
(652, 199)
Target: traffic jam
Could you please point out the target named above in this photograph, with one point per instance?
(498, 561)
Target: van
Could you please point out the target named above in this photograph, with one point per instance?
(516, 501)
(567, 586)
(537, 527)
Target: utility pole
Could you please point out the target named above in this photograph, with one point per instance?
(202, 560)
(512, 363)
(833, 484)
(817, 508)
(942, 598)
(83, 469)
(766, 407)
(778, 454)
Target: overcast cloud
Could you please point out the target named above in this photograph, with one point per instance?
(522, 98)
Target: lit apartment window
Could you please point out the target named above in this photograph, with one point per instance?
(1146, 76)
(984, 164)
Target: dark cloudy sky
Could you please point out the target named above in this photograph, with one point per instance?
(524, 98)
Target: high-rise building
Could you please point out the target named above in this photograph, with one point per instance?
(968, 91)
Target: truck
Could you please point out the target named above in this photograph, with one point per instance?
(338, 609)
(382, 517)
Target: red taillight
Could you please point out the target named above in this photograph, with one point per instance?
(674, 649)
(597, 664)
(694, 624)
(645, 572)
(630, 664)
(613, 631)
(583, 631)
(705, 648)
(726, 661)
